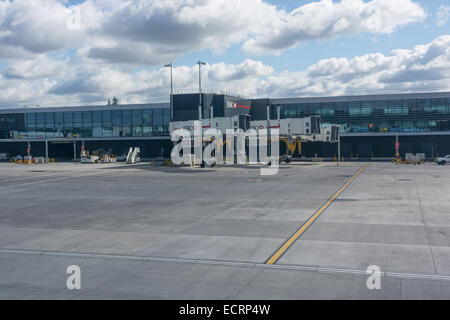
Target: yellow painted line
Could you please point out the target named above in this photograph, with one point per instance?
(274, 258)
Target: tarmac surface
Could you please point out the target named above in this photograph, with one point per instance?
(140, 232)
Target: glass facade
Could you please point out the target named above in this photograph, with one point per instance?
(408, 115)
(86, 124)
(364, 116)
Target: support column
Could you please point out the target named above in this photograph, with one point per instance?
(46, 149)
(339, 146)
(74, 150)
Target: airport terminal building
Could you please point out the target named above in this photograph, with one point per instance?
(369, 124)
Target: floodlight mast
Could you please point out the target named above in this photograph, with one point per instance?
(200, 63)
(170, 65)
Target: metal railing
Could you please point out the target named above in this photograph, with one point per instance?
(220, 92)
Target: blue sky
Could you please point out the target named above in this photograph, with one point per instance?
(58, 52)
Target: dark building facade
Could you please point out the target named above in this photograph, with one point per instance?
(63, 129)
(369, 125)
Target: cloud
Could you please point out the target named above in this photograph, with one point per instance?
(35, 27)
(443, 14)
(141, 32)
(55, 54)
(153, 85)
(327, 19)
(229, 72)
(166, 29)
(78, 80)
(41, 67)
(423, 68)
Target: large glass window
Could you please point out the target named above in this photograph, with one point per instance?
(49, 124)
(158, 128)
(59, 125)
(326, 112)
(107, 126)
(68, 120)
(438, 106)
(31, 120)
(354, 109)
(40, 125)
(147, 126)
(126, 123)
(117, 123)
(137, 122)
(396, 108)
(68, 124)
(96, 116)
(87, 119)
(78, 124)
(77, 117)
(166, 121)
(30, 124)
(87, 124)
(366, 108)
(97, 130)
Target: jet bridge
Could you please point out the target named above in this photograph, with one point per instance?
(292, 131)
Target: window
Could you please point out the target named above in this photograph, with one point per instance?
(87, 124)
(107, 116)
(31, 120)
(78, 124)
(147, 129)
(396, 107)
(77, 117)
(97, 130)
(354, 111)
(158, 128)
(366, 108)
(87, 119)
(438, 106)
(97, 116)
(326, 112)
(117, 123)
(166, 120)
(137, 123)
(59, 124)
(107, 127)
(49, 125)
(126, 123)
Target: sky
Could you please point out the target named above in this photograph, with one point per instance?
(61, 52)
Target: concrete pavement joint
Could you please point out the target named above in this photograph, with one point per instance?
(386, 274)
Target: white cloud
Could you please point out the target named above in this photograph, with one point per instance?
(327, 19)
(81, 81)
(35, 27)
(50, 63)
(423, 68)
(41, 67)
(145, 32)
(443, 14)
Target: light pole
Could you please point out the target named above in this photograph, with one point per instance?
(339, 144)
(171, 89)
(200, 63)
